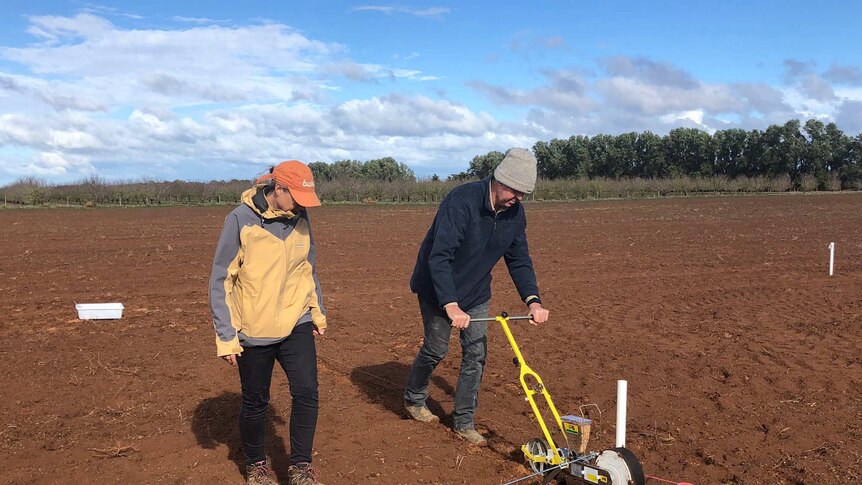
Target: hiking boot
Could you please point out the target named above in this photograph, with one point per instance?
(473, 436)
(259, 473)
(301, 474)
(421, 413)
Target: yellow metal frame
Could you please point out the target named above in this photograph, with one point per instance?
(525, 370)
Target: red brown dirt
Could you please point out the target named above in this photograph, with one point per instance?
(741, 353)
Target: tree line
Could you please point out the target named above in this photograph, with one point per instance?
(790, 157)
(382, 170)
(791, 150)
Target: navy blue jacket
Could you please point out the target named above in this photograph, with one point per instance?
(464, 243)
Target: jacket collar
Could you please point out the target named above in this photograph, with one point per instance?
(255, 198)
(486, 187)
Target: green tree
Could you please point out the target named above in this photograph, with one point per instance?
(551, 158)
(650, 158)
(850, 172)
(783, 151)
(349, 169)
(483, 165)
(817, 152)
(320, 170)
(578, 161)
(386, 169)
(825, 151)
(689, 152)
(755, 150)
(730, 152)
(602, 156)
(840, 146)
(625, 162)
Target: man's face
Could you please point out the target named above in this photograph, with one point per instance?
(505, 196)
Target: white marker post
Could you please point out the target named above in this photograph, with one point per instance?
(622, 390)
(831, 257)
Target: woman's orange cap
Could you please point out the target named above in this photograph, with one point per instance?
(298, 179)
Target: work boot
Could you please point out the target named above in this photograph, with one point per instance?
(421, 413)
(473, 436)
(301, 474)
(259, 473)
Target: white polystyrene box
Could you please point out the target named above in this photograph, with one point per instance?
(99, 311)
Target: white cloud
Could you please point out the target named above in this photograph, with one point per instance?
(391, 9)
(197, 20)
(353, 70)
(637, 94)
(566, 91)
(211, 51)
(406, 57)
(53, 28)
(417, 116)
(72, 140)
(17, 130)
(650, 72)
(849, 116)
(57, 164)
(817, 88)
(762, 99)
(553, 42)
(55, 94)
(654, 99)
(851, 75)
(695, 116)
(849, 93)
(525, 42)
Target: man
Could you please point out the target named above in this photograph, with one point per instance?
(476, 225)
(267, 306)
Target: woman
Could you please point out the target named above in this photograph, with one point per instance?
(267, 306)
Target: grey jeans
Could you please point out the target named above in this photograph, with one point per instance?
(474, 347)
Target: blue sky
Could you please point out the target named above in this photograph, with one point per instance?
(220, 90)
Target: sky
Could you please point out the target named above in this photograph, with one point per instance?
(214, 90)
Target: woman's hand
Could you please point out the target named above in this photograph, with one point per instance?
(231, 358)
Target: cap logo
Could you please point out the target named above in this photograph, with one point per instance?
(306, 183)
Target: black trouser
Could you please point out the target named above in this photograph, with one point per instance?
(298, 358)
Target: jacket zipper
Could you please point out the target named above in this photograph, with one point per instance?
(284, 278)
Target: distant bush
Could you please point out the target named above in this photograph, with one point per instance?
(93, 191)
(850, 177)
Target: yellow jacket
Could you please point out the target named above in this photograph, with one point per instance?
(264, 281)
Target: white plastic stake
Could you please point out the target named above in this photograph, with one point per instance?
(831, 257)
(622, 390)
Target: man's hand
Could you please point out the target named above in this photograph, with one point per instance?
(318, 331)
(539, 314)
(231, 358)
(459, 318)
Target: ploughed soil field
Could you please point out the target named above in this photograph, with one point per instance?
(743, 356)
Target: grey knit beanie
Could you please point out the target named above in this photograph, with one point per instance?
(517, 170)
